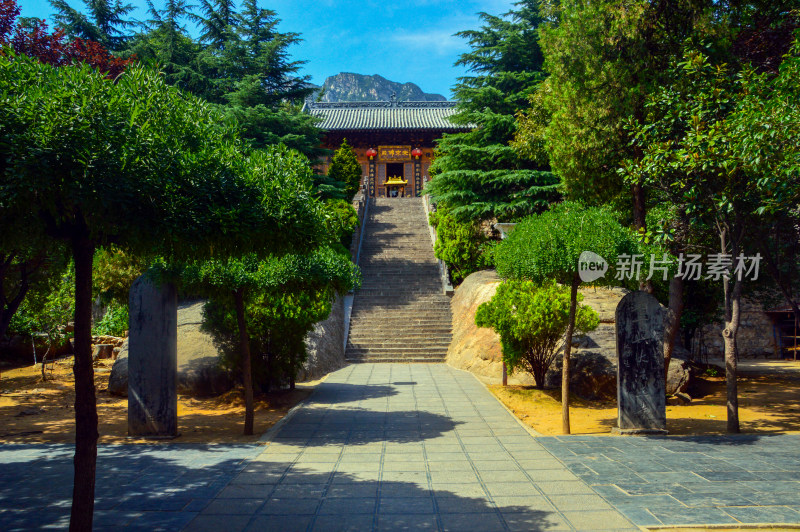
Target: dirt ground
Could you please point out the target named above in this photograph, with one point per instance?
(767, 404)
(36, 411)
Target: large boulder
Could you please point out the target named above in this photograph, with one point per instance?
(325, 345)
(593, 359)
(678, 376)
(591, 375)
(473, 348)
(200, 372)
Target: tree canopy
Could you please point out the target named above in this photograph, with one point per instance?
(531, 319)
(89, 161)
(477, 173)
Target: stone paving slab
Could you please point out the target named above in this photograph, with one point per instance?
(399, 447)
(139, 487)
(679, 481)
(408, 446)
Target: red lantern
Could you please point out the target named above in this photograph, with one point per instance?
(416, 153)
(372, 152)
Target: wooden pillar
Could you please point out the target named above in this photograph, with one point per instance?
(372, 177)
(417, 177)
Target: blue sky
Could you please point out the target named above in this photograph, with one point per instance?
(402, 41)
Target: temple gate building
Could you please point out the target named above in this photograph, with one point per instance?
(393, 140)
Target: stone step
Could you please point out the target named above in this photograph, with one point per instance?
(399, 313)
(412, 336)
(398, 346)
(395, 360)
(405, 326)
(396, 351)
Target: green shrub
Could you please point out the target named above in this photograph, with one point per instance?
(341, 220)
(277, 324)
(47, 310)
(531, 321)
(460, 245)
(114, 322)
(113, 273)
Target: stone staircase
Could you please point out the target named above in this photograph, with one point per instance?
(400, 314)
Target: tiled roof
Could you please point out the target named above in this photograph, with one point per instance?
(385, 115)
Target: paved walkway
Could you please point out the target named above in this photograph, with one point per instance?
(398, 447)
(699, 480)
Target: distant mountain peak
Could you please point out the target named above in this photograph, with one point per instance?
(353, 87)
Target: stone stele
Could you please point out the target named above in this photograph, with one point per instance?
(152, 360)
(641, 398)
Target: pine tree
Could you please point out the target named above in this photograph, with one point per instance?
(477, 173)
(105, 22)
(168, 46)
(218, 22)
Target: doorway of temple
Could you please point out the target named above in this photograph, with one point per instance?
(395, 183)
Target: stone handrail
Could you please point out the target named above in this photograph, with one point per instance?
(444, 272)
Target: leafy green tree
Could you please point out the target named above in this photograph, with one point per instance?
(546, 247)
(48, 306)
(602, 58)
(165, 44)
(217, 22)
(90, 161)
(285, 124)
(531, 320)
(345, 168)
(105, 23)
(253, 290)
(249, 72)
(708, 146)
(477, 173)
(25, 271)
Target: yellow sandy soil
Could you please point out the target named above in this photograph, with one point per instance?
(36, 411)
(767, 404)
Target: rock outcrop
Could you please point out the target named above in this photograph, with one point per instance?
(199, 369)
(593, 361)
(351, 87)
(473, 348)
(325, 345)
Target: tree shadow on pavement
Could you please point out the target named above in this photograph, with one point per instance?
(198, 487)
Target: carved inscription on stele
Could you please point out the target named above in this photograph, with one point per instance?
(640, 365)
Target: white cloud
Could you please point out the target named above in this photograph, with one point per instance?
(442, 42)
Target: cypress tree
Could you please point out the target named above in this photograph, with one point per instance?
(345, 168)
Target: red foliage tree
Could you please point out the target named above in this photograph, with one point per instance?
(53, 48)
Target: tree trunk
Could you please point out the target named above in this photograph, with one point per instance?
(732, 313)
(573, 303)
(10, 307)
(639, 207)
(731, 357)
(247, 372)
(640, 224)
(85, 461)
(674, 324)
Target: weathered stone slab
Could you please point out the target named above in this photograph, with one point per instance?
(152, 360)
(641, 397)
